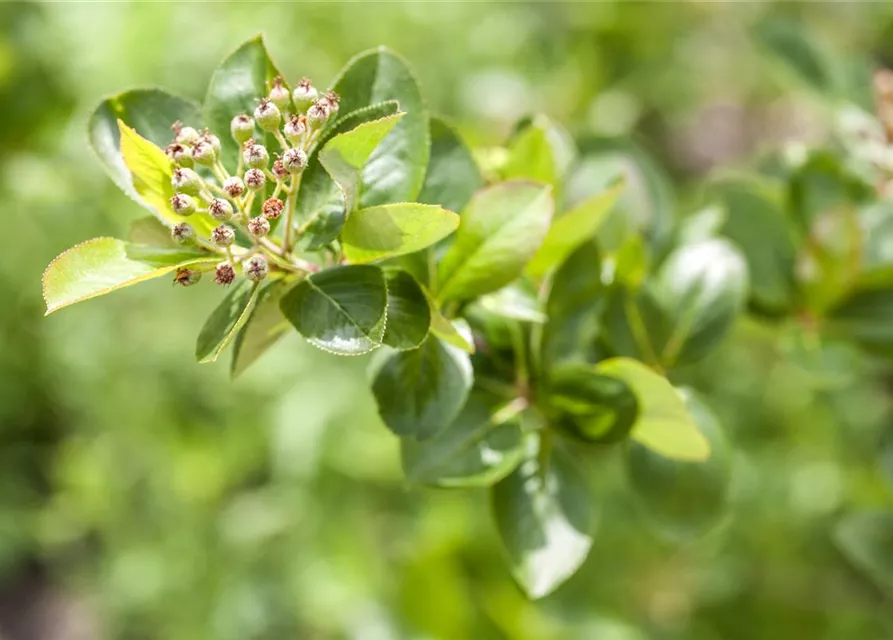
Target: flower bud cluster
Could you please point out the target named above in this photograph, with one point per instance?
(203, 186)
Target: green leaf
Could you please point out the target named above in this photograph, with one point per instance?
(263, 328)
(515, 302)
(530, 156)
(420, 392)
(396, 170)
(96, 267)
(701, 289)
(545, 517)
(757, 225)
(481, 446)
(572, 229)
(684, 499)
(447, 331)
(501, 229)
(452, 176)
(163, 256)
(702, 225)
(340, 310)
(591, 406)
(236, 86)
(576, 299)
(345, 155)
(150, 231)
(151, 112)
(866, 539)
(664, 424)
(392, 230)
(790, 44)
(865, 315)
(226, 321)
(409, 316)
(318, 190)
(151, 172)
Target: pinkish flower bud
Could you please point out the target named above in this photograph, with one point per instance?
(258, 227)
(255, 179)
(220, 209)
(242, 128)
(234, 187)
(280, 171)
(255, 155)
(279, 94)
(267, 115)
(179, 154)
(184, 135)
(203, 153)
(294, 160)
(186, 181)
(295, 129)
(182, 205)
(273, 208)
(256, 268)
(224, 273)
(304, 94)
(182, 233)
(223, 236)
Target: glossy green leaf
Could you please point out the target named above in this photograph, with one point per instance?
(340, 310)
(545, 517)
(502, 227)
(572, 229)
(701, 288)
(396, 170)
(757, 225)
(96, 267)
(448, 331)
(591, 406)
(151, 112)
(481, 446)
(236, 87)
(264, 327)
(226, 320)
(151, 172)
(452, 176)
(866, 539)
(664, 424)
(684, 499)
(702, 225)
(516, 302)
(420, 392)
(576, 299)
(530, 156)
(392, 230)
(409, 316)
(865, 316)
(345, 155)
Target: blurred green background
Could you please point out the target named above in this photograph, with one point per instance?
(143, 496)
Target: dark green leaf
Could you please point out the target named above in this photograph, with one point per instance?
(591, 406)
(420, 392)
(501, 229)
(545, 517)
(866, 539)
(409, 316)
(341, 310)
(452, 176)
(396, 170)
(684, 499)
(481, 446)
(791, 45)
(151, 112)
(226, 320)
(263, 328)
(236, 87)
(865, 316)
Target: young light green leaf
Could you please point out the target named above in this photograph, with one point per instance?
(151, 172)
(390, 230)
(264, 327)
(150, 231)
(481, 446)
(452, 176)
(396, 169)
(502, 227)
(345, 155)
(591, 406)
(151, 112)
(515, 302)
(664, 424)
(226, 321)
(409, 316)
(448, 331)
(96, 267)
(236, 85)
(340, 310)
(545, 517)
(684, 499)
(572, 229)
(163, 256)
(420, 392)
(530, 156)
(865, 539)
